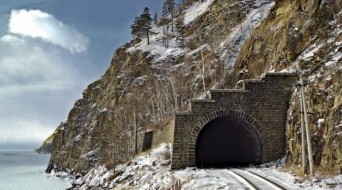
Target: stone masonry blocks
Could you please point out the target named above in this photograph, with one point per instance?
(263, 104)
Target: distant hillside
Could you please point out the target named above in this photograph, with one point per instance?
(46, 147)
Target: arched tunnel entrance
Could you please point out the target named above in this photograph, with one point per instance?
(228, 141)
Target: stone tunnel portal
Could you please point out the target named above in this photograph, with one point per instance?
(228, 141)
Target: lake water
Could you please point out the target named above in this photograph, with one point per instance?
(24, 170)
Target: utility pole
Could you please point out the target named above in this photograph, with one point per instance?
(134, 103)
(136, 125)
(302, 130)
(307, 130)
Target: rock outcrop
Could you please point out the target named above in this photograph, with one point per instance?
(304, 35)
(46, 147)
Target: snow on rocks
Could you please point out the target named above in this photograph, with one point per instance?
(336, 57)
(231, 46)
(156, 47)
(96, 177)
(320, 122)
(332, 56)
(152, 170)
(145, 168)
(310, 52)
(331, 59)
(139, 81)
(275, 164)
(325, 183)
(196, 10)
(77, 138)
(196, 52)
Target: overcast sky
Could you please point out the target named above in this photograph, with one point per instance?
(50, 50)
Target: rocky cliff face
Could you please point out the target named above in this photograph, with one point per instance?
(304, 35)
(322, 63)
(214, 44)
(291, 28)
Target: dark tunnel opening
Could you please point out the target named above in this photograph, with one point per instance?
(227, 142)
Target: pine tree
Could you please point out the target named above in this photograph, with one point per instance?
(142, 25)
(155, 19)
(180, 29)
(168, 12)
(165, 20)
(146, 23)
(164, 10)
(169, 8)
(136, 28)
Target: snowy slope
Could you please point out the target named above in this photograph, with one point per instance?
(196, 10)
(156, 47)
(151, 171)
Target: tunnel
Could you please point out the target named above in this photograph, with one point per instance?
(226, 142)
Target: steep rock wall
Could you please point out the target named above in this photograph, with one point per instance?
(303, 35)
(289, 29)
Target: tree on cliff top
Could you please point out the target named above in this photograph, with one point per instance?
(168, 10)
(142, 25)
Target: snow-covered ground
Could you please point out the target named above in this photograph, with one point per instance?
(291, 181)
(151, 171)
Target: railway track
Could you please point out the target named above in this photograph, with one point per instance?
(255, 181)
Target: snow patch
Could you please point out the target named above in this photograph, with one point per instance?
(320, 122)
(196, 10)
(77, 138)
(334, 60)
(231, 46)
(96, 177)
(310, 52)
(156, 48)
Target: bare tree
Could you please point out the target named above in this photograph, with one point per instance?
(203, 74)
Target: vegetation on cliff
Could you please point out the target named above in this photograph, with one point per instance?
(46, 147)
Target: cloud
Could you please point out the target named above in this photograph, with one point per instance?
(41, 25)
(33, 80)
(28, 64)
(11, 39)
(38, 81)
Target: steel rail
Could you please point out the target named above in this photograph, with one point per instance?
(269, 180)
(259, 182)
